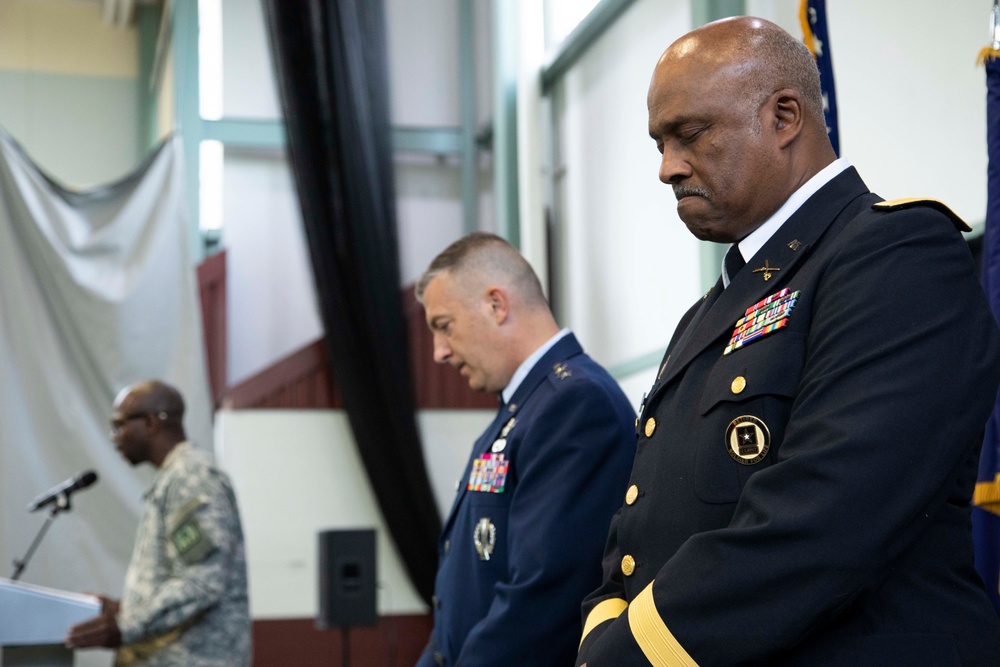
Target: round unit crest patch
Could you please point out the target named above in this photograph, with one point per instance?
(747, 440)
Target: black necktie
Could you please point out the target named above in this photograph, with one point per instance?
(734, 262)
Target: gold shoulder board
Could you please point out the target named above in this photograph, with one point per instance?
(910, 202)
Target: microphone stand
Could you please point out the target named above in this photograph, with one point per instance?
(61, 505)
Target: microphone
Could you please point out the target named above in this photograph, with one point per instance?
(79, 481)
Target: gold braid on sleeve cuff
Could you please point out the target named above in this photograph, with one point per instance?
(987, 495)
(651, 634)
(605, 610)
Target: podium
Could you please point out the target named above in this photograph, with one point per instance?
(34, 621)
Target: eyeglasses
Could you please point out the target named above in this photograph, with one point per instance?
(118, 424)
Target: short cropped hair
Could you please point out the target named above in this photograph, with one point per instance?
(785, 62)
(159, 398)
(487, 257)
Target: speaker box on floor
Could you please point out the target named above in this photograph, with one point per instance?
(346, 579)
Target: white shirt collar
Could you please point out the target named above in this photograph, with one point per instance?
(529, 363)
(758, 237)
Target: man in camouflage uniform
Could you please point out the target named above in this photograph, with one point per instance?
(185, 595)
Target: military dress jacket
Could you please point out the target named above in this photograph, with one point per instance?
(807, 454)
(523, 542)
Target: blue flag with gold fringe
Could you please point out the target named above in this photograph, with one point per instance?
(816, 35)
(986, 513)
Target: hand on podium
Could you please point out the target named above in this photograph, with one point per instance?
(100, 631)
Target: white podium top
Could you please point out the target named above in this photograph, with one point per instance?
(32, 614)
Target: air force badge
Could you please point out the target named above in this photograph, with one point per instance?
(484, 536)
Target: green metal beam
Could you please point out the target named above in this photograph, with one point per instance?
(435, 140)
(245, 133)
(505, 185)
(187, 109)
(467, 88)
(259, 133)
(600, 18)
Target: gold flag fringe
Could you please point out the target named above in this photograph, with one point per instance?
(987, 495)
(987, 53)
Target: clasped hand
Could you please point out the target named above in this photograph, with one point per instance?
(99, 631)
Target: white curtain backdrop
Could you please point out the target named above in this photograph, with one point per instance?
(97, 291)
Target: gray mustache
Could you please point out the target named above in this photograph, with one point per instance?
(687, 191)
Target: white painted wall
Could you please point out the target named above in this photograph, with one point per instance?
(297, 473)
(627, 266)
(912, 102)
(428, 210)
(423, 62)
(249, 87)
(423, 40)
(271, 297)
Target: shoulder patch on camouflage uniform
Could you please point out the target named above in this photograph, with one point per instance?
(192, 543)
(910, 202)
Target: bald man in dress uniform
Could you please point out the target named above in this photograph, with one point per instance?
(808, 449)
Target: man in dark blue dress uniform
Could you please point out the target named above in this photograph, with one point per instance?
(808, 449)
(523, 542)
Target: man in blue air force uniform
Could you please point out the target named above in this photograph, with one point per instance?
(808, 449)
(523, 542)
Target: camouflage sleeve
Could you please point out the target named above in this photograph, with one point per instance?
(199, 535)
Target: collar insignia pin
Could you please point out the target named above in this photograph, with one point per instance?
(766, 270)
(663, 367)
